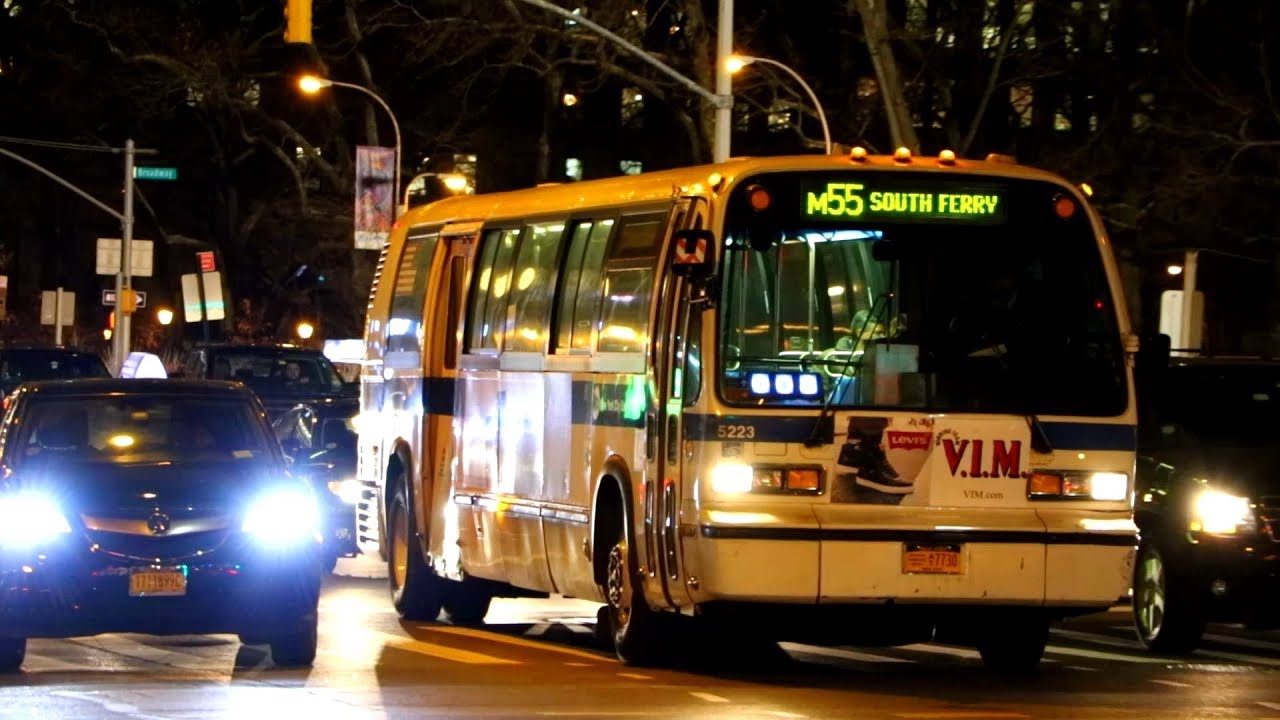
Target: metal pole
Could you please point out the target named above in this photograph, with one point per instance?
(1188, 299)
(813, 97)
(724, 83)
(395, 125)
(57, 316)
(120, 341)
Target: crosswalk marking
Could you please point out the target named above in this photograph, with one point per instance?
(841, 653)
(1103, 655)
(1172, 683)
(945, 650)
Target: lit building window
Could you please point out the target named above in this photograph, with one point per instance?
(631, 167)
(1021, 99)
(573, 168)
(779, 117)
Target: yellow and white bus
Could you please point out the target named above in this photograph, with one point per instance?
(845, 399)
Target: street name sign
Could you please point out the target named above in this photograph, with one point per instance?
(152, 172)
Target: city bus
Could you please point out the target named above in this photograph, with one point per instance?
(844, 399)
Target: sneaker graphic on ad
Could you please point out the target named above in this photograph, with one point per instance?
(877, 473)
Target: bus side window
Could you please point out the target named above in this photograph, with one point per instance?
(534, 283)
(580, 292)
(628, 284)
(489, 293)
(691, 368)
(410, 289)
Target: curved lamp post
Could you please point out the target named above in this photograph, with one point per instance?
(737, 62)
(311, 84)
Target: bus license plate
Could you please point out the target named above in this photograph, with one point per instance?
(153, 582)
(939, 559)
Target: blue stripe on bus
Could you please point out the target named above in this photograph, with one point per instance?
(1065, 435)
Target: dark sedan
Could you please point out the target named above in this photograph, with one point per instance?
(1208, 501)
(282, 376)
(27, 364)
(321, 443)
(152, 506)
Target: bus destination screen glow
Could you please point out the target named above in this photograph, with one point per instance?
(847, 200)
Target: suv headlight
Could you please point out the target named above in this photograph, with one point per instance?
(1219, 513)
(283, 516)
(28, 520)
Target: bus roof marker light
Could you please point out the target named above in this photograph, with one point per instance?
(1087, 189)
(858, 154)
(810, 384)
(947, 157)
(902, 155)
(715, 181)
(784, 384)
(760, 383)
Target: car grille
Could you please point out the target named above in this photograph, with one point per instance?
(185, 535)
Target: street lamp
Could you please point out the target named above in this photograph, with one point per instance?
(311, 84)
(736, 62)
(305, 330)
(164, 315)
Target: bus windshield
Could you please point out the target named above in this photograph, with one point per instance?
(938, 293)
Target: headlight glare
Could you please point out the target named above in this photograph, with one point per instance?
(1219, 513)
(348, 491)
(28, 520)
(283, 516)
(731, 478)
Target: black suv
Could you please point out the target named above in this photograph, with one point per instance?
(1208, 500)
(26, 364)
(282, 376)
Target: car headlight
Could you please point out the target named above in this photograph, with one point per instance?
(28, 520)
(283, 516)
(1219, 513)
(348, 491)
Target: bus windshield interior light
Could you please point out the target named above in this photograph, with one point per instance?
(785, 384)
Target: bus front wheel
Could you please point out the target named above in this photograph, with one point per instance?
(634, 626)
(416, 591)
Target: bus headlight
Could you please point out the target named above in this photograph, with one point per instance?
(1219, 513)
(737, 478)
(1060, 485)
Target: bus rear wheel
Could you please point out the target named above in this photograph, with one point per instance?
(635, 628)
(416, 591)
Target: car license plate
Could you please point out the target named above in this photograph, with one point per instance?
(153, 582)
(938, 559)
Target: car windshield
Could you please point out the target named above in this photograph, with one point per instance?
(25, 366)
(139, 429)
(964, 294)
(1230, 405)
(276, 374)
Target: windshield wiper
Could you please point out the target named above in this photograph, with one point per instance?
(1039, 438)
(817, 436)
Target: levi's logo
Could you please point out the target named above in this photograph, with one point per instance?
(907, 440)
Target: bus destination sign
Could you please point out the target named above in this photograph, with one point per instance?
(848, 201)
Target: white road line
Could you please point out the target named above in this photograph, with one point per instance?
(537, 630)
(443, 652)
(1098, 639)
(1099, 655)
(961, 714)
(104, 701)
(841, 653)
(1269, 705)
(784, 714)
(1080, 667)
(708, 697)
(39, 662)
(1172, 683)
(1239, 657)
(580, 629)
(597, 713)
(635, 676)
(945, 650)
(1243, 642)
(578, 664)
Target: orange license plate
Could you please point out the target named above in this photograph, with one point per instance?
(154, 582)
(937, 559)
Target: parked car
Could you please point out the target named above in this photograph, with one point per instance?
(152, 506)
(24, 364)
(1208, 500)
(321, 443)
(282, 376)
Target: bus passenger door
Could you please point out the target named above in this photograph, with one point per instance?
(663, 487)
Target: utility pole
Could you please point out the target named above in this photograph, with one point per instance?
(124, 282)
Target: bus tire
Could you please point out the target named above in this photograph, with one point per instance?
(467, 602)
(1168, 617)
(1016, 645)
(636, 629)
(416, 591)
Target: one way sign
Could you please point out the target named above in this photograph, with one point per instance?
(109, 297)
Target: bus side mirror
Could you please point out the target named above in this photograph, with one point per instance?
(693, 253)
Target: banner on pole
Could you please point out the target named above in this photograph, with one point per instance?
(375, 197)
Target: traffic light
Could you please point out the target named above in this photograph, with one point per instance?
(297, 21)
(128, 301)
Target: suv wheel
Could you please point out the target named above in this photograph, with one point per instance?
(1168, 616)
